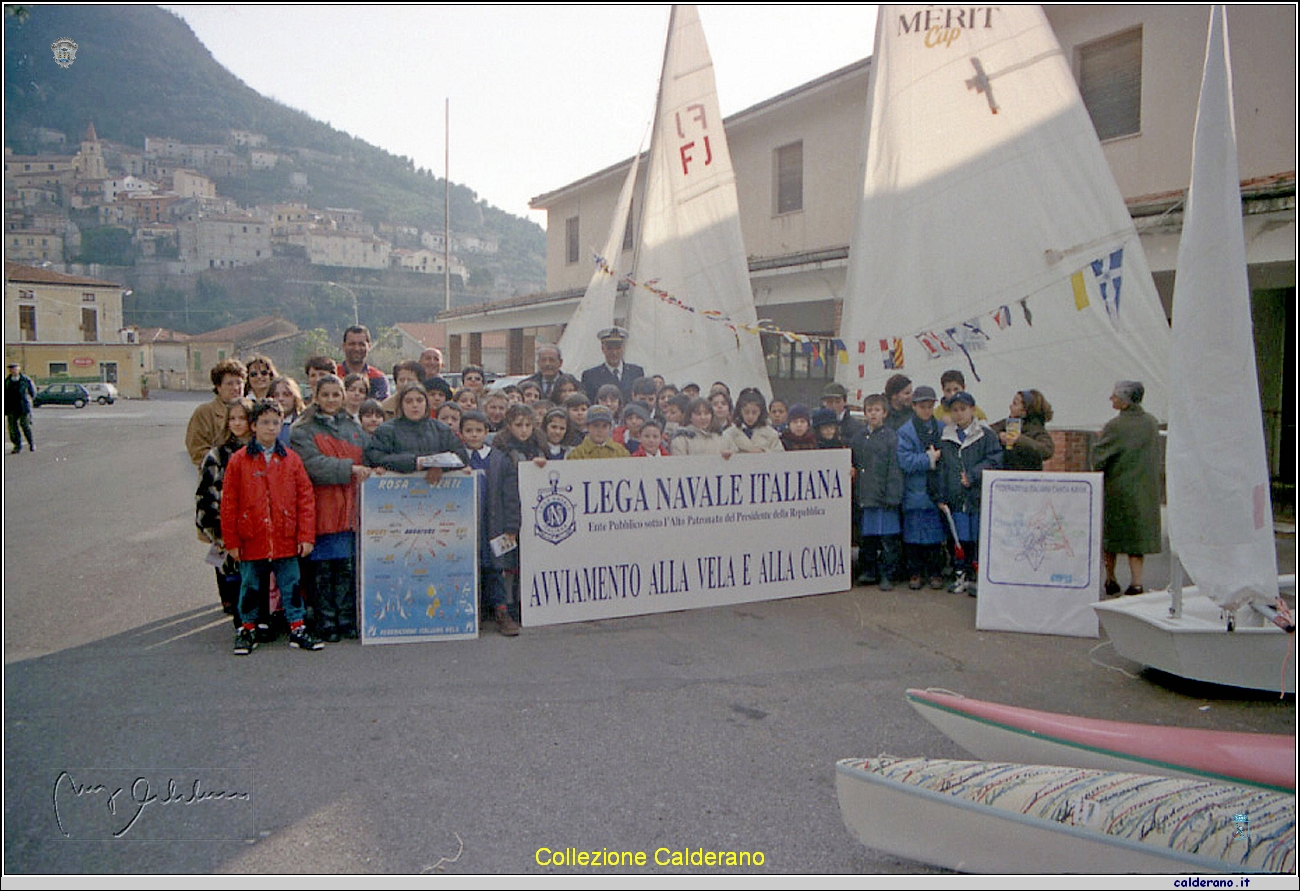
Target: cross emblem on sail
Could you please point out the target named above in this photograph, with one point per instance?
(964, 214)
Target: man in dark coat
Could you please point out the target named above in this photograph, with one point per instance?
(550, 364)
(19, 393)
(613, 370)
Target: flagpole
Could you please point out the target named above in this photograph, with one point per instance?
(446, 208)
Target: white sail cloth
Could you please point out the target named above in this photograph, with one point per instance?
(579, 344)
(1220, 519)
(991, 236)
(691, 243)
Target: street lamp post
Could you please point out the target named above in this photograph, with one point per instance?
(356, 316)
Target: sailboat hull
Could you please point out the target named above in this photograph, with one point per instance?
(987, 817)
(997, 732)
(1198, 646)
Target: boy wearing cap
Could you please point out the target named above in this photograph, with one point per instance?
(599, 442)
(798, 435)
(967, 449)
(836, 398)
(918, 456)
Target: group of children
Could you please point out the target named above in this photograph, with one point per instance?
(280, 487)
(919, 476)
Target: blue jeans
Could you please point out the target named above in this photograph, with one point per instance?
(253, 574)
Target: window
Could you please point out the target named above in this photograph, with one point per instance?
(799, 361)
(788, 173)
(1110, 81)
(27, 322)
(571, 240)
(88, 297)
(90, 325)
(57, 368)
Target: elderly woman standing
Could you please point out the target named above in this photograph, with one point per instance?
(1128, 453)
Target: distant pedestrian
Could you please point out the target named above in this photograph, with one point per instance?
(19, 393)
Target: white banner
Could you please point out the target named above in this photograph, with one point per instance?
(1040, 550)
(626, 537)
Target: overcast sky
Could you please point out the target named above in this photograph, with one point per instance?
(540, 95)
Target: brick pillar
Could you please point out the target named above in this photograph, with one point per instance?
(515, 351)
(453, 353)
(1072, 450)
(529, 363)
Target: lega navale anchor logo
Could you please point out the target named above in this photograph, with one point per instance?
(556, 517)
(65, 52)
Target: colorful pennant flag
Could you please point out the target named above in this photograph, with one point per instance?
(1080, 291)
(1109, 281)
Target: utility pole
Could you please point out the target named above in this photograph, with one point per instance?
(446, 208)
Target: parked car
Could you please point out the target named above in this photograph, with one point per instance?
(102, 392)
(62, 394)
(500, 383)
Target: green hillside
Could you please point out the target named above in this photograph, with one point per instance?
(140, 70)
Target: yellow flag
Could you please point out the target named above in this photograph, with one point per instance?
(1080, 292)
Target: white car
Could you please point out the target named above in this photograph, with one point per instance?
(103, 393)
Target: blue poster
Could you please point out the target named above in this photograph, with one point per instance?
(419, 559)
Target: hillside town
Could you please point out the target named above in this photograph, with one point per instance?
(165, 198)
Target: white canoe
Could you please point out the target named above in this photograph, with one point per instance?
(995, 732)
(985, 817)
(1198, 645)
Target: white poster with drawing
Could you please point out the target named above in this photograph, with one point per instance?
(610, 538)
(1040, 552)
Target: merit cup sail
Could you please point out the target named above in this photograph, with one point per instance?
(1220, 519)
(990, 236)
(691, 248)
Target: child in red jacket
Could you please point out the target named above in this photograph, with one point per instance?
(268, 521)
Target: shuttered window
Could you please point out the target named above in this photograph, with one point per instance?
(1110, 80)
(788, 164)
(571, 239)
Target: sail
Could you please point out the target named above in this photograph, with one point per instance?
(579, 345)
(991, 237)
(1220, 520)
(691, 246)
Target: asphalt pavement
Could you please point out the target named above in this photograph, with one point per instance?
(136, 743)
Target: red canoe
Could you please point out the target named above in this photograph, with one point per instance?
(996, 732)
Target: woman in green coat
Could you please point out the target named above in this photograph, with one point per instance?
(1128, 453)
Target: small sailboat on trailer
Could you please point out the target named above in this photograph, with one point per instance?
(1233, 628)
(689, 282)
